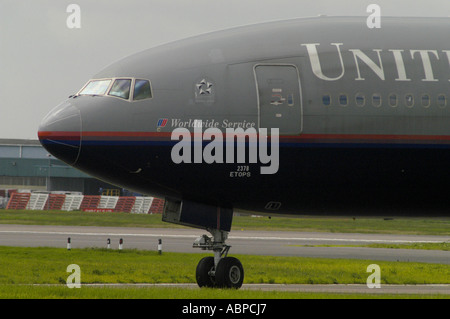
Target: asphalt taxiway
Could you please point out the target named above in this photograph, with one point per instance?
(273, 243)
(313, 288)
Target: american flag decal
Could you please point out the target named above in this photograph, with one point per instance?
(162, 122)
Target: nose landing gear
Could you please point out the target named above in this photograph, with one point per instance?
(219, 271)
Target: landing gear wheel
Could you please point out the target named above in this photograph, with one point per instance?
(203, 273)
(229, 273)
(219, 271)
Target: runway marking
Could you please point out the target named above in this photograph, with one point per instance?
(398, 241)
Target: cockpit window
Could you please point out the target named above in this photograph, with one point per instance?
(121, 88)
(142, 90)
(96, 87)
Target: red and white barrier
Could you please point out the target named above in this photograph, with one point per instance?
(88, 203)
(18, 201)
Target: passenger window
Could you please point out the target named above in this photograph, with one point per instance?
(121, 88)
(393, 100)
(360, 99)
(96, 87)
(376, 100)
(426, 102)
(343, 100)
(142, 90)
(409, 100)
(442, 100)
(326, 100)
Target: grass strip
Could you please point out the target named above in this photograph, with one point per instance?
(424, 246)
(413, 226)
(23, 265)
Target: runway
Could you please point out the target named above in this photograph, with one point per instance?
(242, 242)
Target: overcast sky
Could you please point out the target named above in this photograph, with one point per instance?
(42, 61)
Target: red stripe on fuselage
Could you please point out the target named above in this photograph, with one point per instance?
(312, 138)
(57, 135)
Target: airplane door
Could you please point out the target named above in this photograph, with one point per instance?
(279, 98)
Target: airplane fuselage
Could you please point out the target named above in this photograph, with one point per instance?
(307, 116)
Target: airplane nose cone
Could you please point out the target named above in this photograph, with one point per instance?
(60, 133)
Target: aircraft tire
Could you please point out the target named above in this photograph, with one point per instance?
(202, 273)
(229, 273)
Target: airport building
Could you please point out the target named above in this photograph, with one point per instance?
(30, 178)
(25, 164)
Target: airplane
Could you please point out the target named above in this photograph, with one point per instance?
(308, 116)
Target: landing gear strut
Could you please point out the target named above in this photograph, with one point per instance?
(219, 271)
